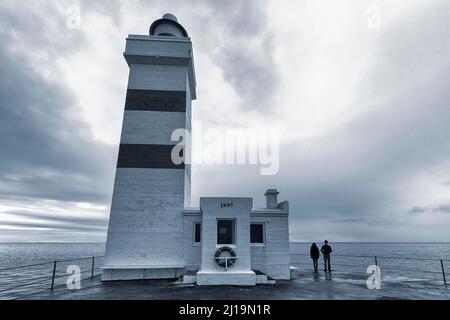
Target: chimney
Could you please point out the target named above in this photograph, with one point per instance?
(272, 198)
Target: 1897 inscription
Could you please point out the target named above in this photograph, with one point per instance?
(226, 205)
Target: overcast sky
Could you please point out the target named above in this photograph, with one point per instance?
(362, 105)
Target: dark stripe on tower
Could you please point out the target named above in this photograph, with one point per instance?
(146, 156)
(154, 100)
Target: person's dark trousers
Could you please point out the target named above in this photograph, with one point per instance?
(327, 261)
(316, 264)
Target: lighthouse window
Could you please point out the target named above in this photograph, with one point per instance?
(166, 34)
(226, 232)
(257, 233)
(197, 232)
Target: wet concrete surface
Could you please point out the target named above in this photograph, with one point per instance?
(304, 285)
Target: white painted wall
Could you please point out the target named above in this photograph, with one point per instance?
(273, 257)
(159, 46)
(155, 127)
(188, 148)
(146, 228)
(210, 273)
(146, 222)
(192, 252)
(162, 77)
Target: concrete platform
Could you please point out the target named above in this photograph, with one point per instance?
(304, 286)
(142, 273)
(232, 278)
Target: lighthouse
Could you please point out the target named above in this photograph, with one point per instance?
(154, 232)
(145, 233)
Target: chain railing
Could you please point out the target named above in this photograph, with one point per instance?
(27, 280)
(351, 263)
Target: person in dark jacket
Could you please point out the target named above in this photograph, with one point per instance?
(326, 250)
(315, 254)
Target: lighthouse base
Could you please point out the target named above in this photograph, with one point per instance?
(231, 278)
(142, 273)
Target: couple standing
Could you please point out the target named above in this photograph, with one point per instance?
(315, 254)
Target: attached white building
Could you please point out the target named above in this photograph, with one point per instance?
(152, 234)
(258, 237)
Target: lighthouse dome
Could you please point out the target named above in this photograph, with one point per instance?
(168, 26)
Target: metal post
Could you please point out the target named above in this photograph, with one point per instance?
(376, 261)
(92, 270)
(443, 271)
(53, 276)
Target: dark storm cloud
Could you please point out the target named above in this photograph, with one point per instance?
(355, 220)
(359, 169)
(237, 40)
(416, 210)
(443, 209)
(46, 152)
(357, 172)
(351, 176)
(243, 48)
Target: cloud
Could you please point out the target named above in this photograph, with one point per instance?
(48, 151)
(437, 209)
(416, 210)
(443, 209)
(52, 225)
(77, 222)
(240, 44)
(364, 114)
(360, 169)
(348, 220)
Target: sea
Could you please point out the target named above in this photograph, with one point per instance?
(422, 265)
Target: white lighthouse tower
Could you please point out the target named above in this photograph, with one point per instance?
(145, 234)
